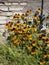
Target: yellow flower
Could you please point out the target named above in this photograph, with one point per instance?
(34, 43)
(14, 18)
(39, 10)
(12, 31)
(19, 31)
(18, 27)
(30, 38)
(13, 38)
(18, 23)
(47, 40)
(24, 24)
(15, 15)
(10, 28)
(24, 29)
(45, 54)
(10, 23)
(28, 12)
(42, 62)
(29, 35)
(48, 55)
(23, 16)
(18, 42)
(38, 21)
(33, 52)
(38, 46)
(40, 41)
(18, 16)
(23, 32)
(34, 28)
(38, 34)
(6, 26)
(48, 45)
(25, 37)
(29, 47)
(44, 36)
(28, 28)
(14, 26)
(35, 17)
(15, 41)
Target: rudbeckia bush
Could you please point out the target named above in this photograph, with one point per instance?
(26, 44)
